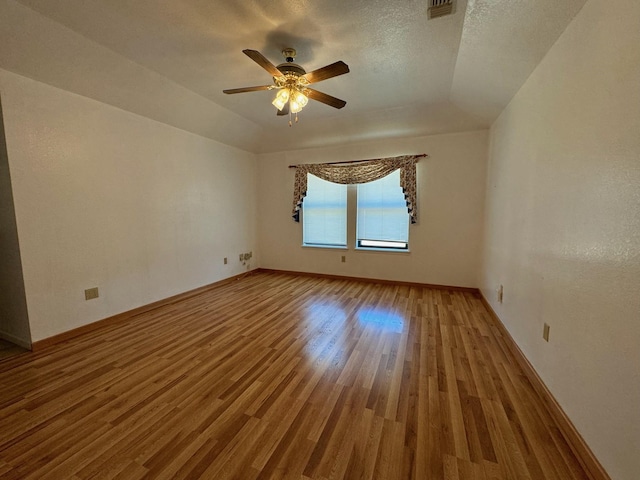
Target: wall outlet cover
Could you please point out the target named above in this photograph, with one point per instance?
(91, 293)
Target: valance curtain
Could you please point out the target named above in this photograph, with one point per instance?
(363, 172)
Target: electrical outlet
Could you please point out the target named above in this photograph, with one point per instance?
(545, 332)
(91, 293)
(343, 259)
(225, 260)
(500, 293)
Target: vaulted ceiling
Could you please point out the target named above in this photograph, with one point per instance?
(170, 60)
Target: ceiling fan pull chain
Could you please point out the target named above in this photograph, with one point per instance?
(290, 124)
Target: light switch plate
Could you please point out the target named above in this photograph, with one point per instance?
(545, 332)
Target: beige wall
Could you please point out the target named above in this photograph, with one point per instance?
(563, 227)
(106, 198)
(445, 244)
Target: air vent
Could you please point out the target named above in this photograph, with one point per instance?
(440, 8)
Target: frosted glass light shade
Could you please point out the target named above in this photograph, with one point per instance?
(298, 101)
(281, 99)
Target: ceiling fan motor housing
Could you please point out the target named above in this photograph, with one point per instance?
(290, 69)
(293, 68)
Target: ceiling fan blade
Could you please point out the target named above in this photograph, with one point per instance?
(284, 111)
(260, 59)
(248, 89)
(324, 98)
(333, 70)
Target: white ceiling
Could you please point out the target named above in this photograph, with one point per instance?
(409, 75)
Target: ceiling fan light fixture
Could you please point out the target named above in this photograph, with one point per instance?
(282, 97)
(292, 81)
(298, 101)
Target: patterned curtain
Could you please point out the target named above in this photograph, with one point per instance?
(364, 172)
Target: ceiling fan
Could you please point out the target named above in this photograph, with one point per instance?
(292, 83)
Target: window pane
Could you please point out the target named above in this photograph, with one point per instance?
(382, 214)
(324, 213)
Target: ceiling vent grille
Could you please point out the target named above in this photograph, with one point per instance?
(440, 8)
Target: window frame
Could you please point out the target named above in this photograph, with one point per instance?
(397, 202)
(352, 220)
(346, 220)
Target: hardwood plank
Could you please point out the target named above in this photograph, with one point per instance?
(283, 376)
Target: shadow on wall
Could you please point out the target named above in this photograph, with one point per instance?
(14, 319)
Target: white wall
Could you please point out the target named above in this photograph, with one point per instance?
(563, 227)
(107, 198)
(445, 244)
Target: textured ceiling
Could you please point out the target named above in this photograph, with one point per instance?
(171, 59)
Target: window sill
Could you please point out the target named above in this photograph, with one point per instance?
(386, 250)
(357, 249)
(330, 247)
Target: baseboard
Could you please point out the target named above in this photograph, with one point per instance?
(120, 317)
(575, 441)
(21, 342)
(371, 280)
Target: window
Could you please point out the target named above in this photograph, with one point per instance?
(383, 221)
(324, 217)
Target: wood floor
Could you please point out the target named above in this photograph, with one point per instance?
(8, 349)
(277, 376)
